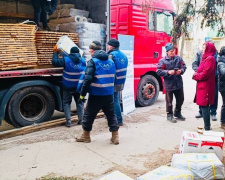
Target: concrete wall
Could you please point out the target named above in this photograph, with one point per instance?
(96, 8)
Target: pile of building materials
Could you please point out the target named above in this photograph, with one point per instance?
(20, 9)
(87, 32)
(45, 41)
(68, 19)
(66, 13)
(17, 46)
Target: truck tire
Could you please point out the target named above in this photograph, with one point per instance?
(31, 105)
(148, 91)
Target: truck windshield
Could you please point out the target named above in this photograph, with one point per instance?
(164, 22)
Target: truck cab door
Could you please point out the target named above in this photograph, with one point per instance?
(163, 31)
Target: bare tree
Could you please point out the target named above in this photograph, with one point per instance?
(208, 11)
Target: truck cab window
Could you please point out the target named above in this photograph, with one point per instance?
(164, 22)
(151, 20)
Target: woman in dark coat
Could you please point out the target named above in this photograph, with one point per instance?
(221, 71)
(205, 77)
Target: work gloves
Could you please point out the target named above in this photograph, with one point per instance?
(81, 99)
(55, 49)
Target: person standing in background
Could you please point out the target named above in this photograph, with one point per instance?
(74, 66)
(121, 63)
(195, 65)
(171, 67)
(205, 77)
(221, 79)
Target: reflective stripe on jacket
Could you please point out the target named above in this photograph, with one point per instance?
(72, 72)
(121, 63)
(103, 83)
(80, 82)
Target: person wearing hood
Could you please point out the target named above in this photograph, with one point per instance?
(121, 63)
(99, 83)
(74, 66)
(171, 68)
(221, 79)
(195, 64)
(205, 77)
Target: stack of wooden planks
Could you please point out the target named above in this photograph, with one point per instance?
(17, 46)
(45, 41)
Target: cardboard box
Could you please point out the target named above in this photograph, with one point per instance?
(190, 142)
(65, 44)
(165, 172)
(212, 144)
(214, 133)
(116, 175)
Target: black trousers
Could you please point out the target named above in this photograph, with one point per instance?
(222, 115)
(206, 116)
(40, 12)
(94, 105)
(179, 95)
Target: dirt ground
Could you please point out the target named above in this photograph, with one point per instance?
(153, 160)
(147, 141)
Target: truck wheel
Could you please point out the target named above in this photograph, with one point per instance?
(148, 91)
(8, 120)
(31, 105)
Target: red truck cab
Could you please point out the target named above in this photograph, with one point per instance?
(152, 31)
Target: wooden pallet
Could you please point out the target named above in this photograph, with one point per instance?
(45, 41)
(17, 46)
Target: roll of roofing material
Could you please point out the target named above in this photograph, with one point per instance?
(83, 19)
(89, 20)
(78, 19)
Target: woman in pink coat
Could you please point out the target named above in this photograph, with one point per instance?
(205, 77)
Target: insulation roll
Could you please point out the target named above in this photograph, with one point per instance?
(83, 19)
(78, 19)
(89, 20)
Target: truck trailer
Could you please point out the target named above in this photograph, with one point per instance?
(30, 96)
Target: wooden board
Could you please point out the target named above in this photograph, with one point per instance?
(17, 46)
(45, 41)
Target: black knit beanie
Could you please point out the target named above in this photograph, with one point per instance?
(114, 43)
(74, 50)
(95, 45)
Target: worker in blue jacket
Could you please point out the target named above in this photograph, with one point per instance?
(99, 82)
(74, 66)
(121, 63)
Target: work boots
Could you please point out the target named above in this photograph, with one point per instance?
(179, 116)
(170, 118)
(85, 137)
(115, 137)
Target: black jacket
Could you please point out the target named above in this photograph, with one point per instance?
(171, 82)
(90, 71)
(221, 73)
